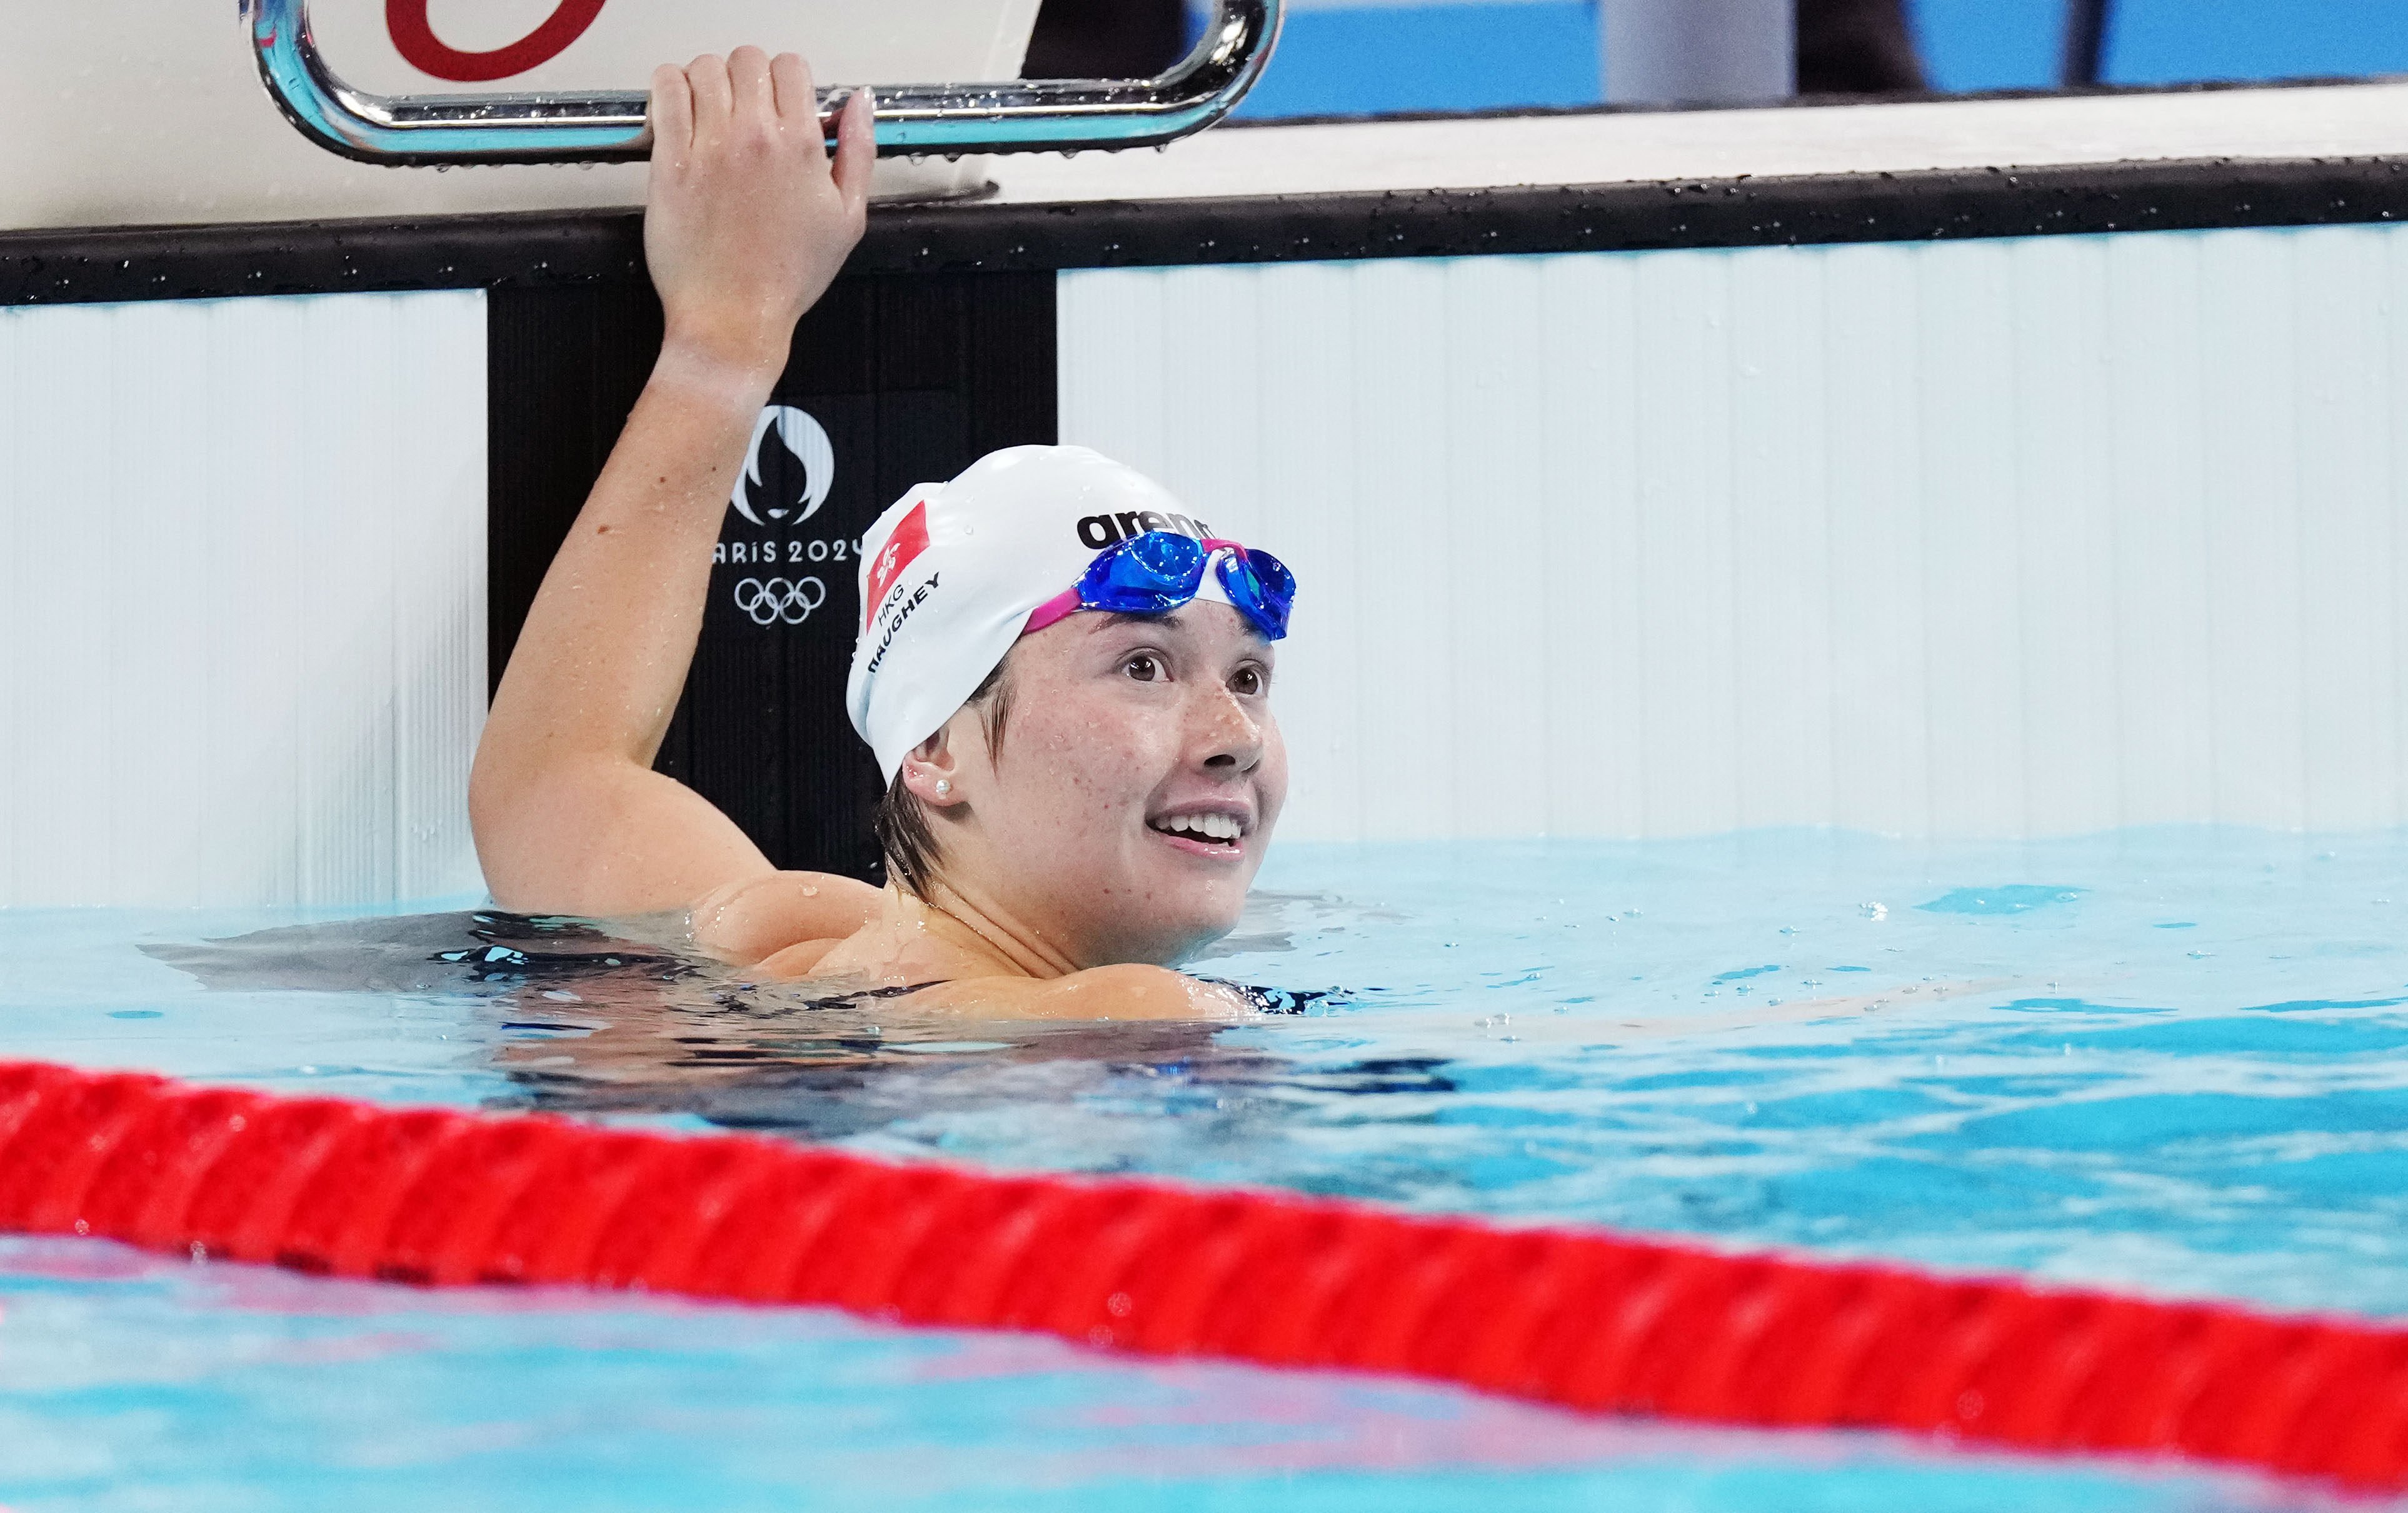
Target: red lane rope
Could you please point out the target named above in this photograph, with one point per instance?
(1588, 1320)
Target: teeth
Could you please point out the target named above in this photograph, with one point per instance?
(1204, 826)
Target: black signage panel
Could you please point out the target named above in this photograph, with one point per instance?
(894, 381)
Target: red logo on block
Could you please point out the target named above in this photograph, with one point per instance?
(909, 539)
(426, 53)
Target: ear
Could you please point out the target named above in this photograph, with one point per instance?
(929, 764)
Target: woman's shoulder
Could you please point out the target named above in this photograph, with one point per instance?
(1128, 992)
(779, 914)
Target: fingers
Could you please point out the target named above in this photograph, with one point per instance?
(672, 113)
(714, 98)
(798, 99)
(856, 152)
(748, 77)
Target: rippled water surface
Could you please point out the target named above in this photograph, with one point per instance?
(2171, 1061)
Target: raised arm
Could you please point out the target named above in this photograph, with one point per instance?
(747, 222)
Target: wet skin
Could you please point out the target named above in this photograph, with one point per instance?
(1068, 839)
(1075, 844)
(1061, 894)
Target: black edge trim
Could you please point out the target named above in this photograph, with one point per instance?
(583, 246)
(316, 257)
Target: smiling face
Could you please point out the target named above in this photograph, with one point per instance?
(1126, 807)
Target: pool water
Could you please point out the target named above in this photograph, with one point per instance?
(2174, 1061)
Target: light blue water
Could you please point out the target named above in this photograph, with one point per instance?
(2164, 1060)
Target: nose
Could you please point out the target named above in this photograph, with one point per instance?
(1226, 739)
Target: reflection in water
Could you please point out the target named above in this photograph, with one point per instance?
(636, 1023)
(2173, 1060)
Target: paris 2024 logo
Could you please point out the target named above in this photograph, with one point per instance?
(788, 469)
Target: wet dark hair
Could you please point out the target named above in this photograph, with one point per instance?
(901, 823)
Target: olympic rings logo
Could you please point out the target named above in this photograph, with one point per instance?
(776, 599)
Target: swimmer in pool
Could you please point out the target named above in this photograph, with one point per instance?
(1064, 676)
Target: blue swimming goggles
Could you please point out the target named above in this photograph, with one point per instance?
(1160, 570)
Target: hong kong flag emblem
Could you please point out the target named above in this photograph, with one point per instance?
(909, 539)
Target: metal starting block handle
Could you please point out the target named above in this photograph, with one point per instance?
(1059, 115)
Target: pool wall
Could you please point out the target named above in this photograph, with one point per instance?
(1950, 501)
(1990, 539)
(242, 595)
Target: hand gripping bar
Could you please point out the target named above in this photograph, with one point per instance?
(1065, 115)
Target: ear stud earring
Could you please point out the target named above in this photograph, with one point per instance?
(944, 785)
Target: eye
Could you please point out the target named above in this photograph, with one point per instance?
(1143, 667)
(1250, 682)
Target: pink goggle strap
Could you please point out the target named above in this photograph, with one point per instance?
(1061, 607)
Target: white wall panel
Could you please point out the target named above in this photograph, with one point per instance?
(242, 598)
(1985, 539)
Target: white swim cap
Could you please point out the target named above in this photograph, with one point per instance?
(951, 572)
